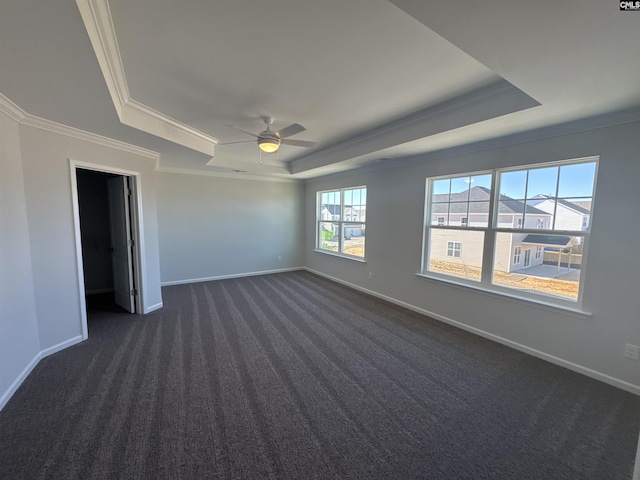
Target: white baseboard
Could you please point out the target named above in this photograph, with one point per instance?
(153, 308)
(4, 399)
(18, 381)
(60, 346)
(603, 377)
(224, 277)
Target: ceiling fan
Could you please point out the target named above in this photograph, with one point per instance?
(269, 141)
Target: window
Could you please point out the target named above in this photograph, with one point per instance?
(454, 249)
(516, 255)
(341, 221)
(528, 232)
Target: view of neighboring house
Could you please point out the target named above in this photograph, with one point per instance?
(568, 215)
(331, 213)
(514, 251)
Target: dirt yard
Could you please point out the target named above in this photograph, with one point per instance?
(356, 250)
(563, 288)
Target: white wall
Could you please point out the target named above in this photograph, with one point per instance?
(395, 202)
(19, 342)
(45, 158)
(219, 226)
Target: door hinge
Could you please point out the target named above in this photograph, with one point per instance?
(134, 292)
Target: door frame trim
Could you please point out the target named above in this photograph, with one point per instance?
(138, 260)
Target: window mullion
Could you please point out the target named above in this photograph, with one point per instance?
(489, 234)
(555, 202)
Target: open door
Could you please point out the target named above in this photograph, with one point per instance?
(121, 242)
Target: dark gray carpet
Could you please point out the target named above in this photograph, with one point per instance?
(291, 376)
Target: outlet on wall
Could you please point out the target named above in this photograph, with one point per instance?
(370, 275)
(279, 258)
(631, 351)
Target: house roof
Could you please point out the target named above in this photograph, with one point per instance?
(586, 204)
(479, 203)
(335, 209)
(550, 240)
(566, 203)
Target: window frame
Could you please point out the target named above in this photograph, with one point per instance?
(492, 229)
(341, 221)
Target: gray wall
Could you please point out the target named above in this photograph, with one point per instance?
(45, 160)
(216, 226)
(395, 202)
(19, 342)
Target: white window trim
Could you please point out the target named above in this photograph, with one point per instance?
(340, 221)
(490, 232)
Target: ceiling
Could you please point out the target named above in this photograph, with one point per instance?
(368, 79)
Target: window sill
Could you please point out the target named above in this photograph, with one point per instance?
(340, 255)
(554, 307)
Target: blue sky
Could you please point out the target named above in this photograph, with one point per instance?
(575, 180)
(353, 197)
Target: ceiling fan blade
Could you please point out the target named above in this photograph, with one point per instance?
(233, 143)
(298, 143)
(290, 130)
(244, 131)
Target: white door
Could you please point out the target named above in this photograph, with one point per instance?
(121, 242)
(527, 258)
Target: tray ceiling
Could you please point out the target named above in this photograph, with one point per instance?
(368, 79)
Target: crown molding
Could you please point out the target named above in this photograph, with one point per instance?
(11, 109)
(491, 101)
(23, 118)
(235, 176)
(78, 134)
(97, 19)
(611, 119)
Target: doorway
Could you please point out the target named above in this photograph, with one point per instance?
(106, 213)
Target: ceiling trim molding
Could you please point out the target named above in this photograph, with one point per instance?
(78, 134)
(97, 19)
(235, 176)
(24, 118)
(491, 101)
(11, 109)
(611, 119)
